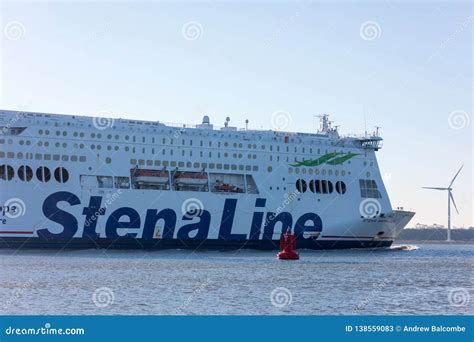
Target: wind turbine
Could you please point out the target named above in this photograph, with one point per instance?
(450, 198)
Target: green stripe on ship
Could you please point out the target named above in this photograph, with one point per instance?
(328, 158)
(340, 160)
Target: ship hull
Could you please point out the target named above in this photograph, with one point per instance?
(209, 244)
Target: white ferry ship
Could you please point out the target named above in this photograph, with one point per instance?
(86, 182)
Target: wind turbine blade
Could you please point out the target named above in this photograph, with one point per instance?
(452, 199)
(432, 188)
(457, 173)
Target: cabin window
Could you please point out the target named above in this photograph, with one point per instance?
(61, 175)
(301, 185)
(43, 174)
(340, 187)
(6, 172)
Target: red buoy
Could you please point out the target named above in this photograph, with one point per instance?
(288, 247)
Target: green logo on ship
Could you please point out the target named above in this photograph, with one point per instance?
(333, 158)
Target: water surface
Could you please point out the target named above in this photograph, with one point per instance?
(428, 279)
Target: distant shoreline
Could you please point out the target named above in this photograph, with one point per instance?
(433, 242)
(435, 235)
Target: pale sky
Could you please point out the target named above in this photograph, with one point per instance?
(404, 66)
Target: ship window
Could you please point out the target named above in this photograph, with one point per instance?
(330, 187)
(301, 185)
(368, 189)
(82, 159)
(122, 182)
(105, 181)
(219, 166)
(173, 163)
(61, 175)
(157, 162)
(149, 162)
(25, 173)
(324, 185)
(141, 162)
(6, 172)
(73, 158)
(43, 174)
(312, 185)
(212, 165)
(341, 187)
(318, 186)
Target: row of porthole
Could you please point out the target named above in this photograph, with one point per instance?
(318, 171)
(319, 186)
(25, 173)
(127, 138)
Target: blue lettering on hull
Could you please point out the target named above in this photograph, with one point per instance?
(129, 219)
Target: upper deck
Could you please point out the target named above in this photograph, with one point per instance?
(14, 122)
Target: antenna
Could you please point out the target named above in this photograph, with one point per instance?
(365, 125)
(377, 130)
(246, 124)
(450, 198)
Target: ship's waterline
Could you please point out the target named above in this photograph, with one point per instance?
(67, 182)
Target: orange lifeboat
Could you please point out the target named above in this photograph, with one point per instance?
(143, 176)
(220, 186)
(190, 178)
